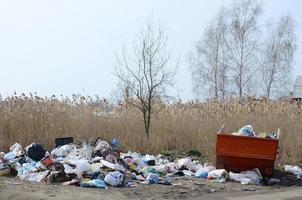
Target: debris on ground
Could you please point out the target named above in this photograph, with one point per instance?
(247, 177)
(103, 165)
(294, 169)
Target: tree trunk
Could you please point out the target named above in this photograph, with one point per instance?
(147, 120)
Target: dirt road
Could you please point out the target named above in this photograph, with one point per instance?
(288, 194)
(11, 189)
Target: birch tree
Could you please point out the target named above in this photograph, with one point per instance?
(242, 45)
(208, 67)
(278, 57)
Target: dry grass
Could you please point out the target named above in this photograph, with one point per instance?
(178, 126)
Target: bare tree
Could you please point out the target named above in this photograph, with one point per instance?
(208, 67)
(242, 44)
(278, 57)
(143, 69)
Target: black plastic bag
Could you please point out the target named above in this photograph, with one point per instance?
(35, 151)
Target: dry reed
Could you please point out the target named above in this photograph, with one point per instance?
(177, 126)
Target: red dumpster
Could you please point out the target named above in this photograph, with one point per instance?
(238, 153)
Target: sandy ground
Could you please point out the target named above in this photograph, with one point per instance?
(12, 189)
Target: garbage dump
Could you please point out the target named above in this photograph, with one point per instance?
(103, 165)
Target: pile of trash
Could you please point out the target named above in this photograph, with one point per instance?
(249, 131)
(103, 164)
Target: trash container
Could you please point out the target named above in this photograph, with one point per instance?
(62, 141)
(238, 153)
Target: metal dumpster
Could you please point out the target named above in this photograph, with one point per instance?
(238, 153)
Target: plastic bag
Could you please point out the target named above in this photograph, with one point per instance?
(102, 145)
(202, 173)
(97, 183)
(295, 170)
(149, 159)
(247, 177)
(241, 178)
(16, 149)
(247, 131)
(253, 175)
(161, 160)
(161, 169)
(114, 178)
(63, 150)
(218, 173)
(35, 151)
(81, 167)
(186, 163)
(69, 170)
(96, 167)
(153, 178)
(172, 167)
(34, 177)
(9, 156)
(134, 158)
(188, 173)
(110, 165)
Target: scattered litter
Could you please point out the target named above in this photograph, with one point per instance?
(210, 191)
(72, 182)
(273, 181)
(103, 165)
(246, 177)
(203, 172)
(294, 169)
(218, 174)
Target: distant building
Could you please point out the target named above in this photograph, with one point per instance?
(297, 91)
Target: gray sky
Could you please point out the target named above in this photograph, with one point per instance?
(65, 47)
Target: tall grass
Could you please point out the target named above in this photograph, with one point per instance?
(177, 126)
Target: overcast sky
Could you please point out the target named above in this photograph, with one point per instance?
(65, 47)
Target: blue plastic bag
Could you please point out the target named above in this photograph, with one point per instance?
(97, 183)
(153, 178)
(201, 174)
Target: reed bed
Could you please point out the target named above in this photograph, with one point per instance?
(176, 126)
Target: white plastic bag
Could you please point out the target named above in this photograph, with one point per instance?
(162, 169)
(102, 145)
(63, 150)
(110, 165)
(187, 163)
(237, 177)
(246, 177)
(218, 174)
(81, 167)
(114, 178)
(294, 169)
(16, 149)
(172, 167)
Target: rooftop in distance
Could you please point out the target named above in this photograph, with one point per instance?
(297, 92)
